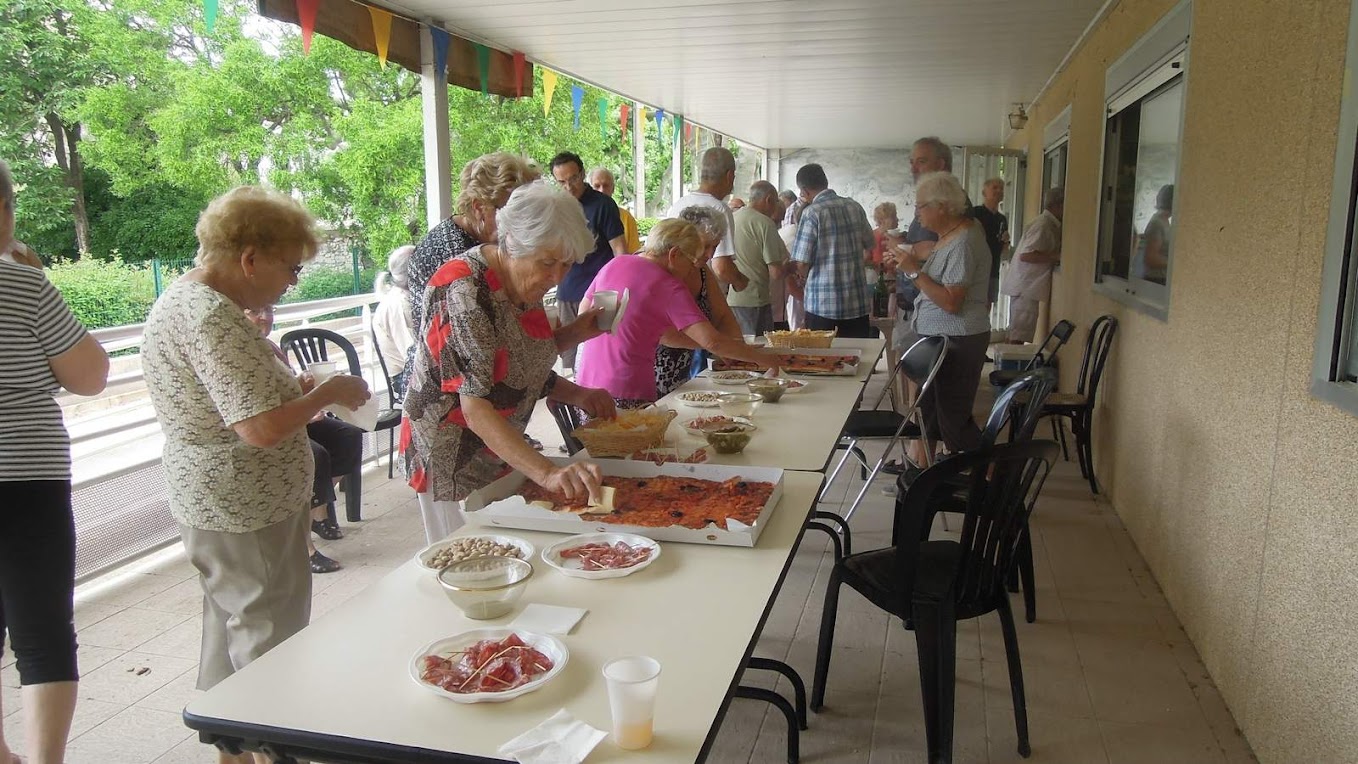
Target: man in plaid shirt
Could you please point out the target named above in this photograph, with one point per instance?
(831, 251)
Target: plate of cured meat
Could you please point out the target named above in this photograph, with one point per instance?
(488, 665)
(601, 555)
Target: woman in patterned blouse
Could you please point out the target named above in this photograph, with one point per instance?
(484, 356)
(236, 458)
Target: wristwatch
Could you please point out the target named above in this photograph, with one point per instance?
(913, 275)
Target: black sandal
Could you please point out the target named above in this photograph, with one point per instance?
(322, 564)
(327, 529)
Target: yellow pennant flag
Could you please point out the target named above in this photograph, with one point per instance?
(548, 86)
(381, 33)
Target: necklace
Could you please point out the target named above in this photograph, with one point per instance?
(950, 230)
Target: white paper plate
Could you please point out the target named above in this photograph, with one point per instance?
(697, 404)
(571, 567)
(697, 433)
(731, 377)
(425, 555)
(547, 645)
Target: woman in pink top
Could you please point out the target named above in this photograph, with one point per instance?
(623, 362)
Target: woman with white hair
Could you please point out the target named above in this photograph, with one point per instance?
(484, 358)
(236, 458)
(393, 322)
(953, 284)
(676, 356)
(43, 349)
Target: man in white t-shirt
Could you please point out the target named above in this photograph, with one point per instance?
(1029, 281)
(717, 178)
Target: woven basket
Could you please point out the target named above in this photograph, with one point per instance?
(802, 338)
(640, 429)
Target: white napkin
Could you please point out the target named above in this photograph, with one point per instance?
(548, 619)
(364, 417)
(562, 739)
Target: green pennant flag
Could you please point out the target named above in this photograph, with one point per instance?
(483, 64)
(210, 14)
(603, 114)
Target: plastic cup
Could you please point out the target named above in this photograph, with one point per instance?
(608, 300)
(632, 683)
(323, 370)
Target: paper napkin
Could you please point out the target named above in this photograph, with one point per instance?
(562, 739)
(548, 619)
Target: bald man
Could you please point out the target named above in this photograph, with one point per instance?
(601, 180)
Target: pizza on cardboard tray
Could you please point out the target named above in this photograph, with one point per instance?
(664, 500)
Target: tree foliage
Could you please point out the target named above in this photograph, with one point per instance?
(125, 117)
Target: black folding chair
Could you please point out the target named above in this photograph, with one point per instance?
(1078, 406)
(1056, 339)
(934, 584)
(395, 397)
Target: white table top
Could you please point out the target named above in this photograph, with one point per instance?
(697, 610)
(799, 432)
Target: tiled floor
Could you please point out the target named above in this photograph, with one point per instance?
(1110, 675)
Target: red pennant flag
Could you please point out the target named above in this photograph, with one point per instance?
(688, 131)
(626, 110)
(520, 63)
(306, 16)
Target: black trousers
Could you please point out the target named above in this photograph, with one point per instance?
(948, 404)
(37, 578)
(859, 327)
(337, 448)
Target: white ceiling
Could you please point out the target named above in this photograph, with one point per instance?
(796, 73)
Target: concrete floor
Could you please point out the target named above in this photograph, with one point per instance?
(1111, 676)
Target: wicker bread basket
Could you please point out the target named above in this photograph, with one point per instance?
(632, 431)
(801, 338)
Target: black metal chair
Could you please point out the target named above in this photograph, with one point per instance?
(1015, 412)
(1078, 406)
(934, 584)
(395, 397)
(567, 419)
(920, 362)
(1056, 339)
(308, 346)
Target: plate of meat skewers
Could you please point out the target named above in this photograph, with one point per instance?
(488, 665)
(601, 555)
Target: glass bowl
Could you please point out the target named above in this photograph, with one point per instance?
(485, 587)
(729, 438)
(739, 404)
(768, 388)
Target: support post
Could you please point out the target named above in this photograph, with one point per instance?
(438, 182)
(639, 160)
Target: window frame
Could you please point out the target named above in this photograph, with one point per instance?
(1056, 142)
(1149, 67)
(1336, 345)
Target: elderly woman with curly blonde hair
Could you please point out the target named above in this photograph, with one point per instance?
(236, 458)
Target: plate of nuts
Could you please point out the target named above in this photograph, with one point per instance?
(440, 555)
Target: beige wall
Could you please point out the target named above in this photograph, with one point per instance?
(1240, 489)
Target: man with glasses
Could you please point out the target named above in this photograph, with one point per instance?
(601, 212)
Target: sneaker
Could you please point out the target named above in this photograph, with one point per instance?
(322, 564)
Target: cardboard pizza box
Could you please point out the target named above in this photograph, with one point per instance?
(850, 369)
(499, 505)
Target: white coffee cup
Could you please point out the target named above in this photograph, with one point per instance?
(608, 300)
(323, 370)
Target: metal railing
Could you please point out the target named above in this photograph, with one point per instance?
(123, 512)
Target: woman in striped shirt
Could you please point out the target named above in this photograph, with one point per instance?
(43, 348)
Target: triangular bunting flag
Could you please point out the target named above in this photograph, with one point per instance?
(520, 64)
(678, 123)
(483, 66)
(441, 41)
(660, 122)
(548, 87)
(306, 16)
(625, 113)
(381, 33)
(577, 98)
(603, 114)
(210, 14)
(688, 131)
